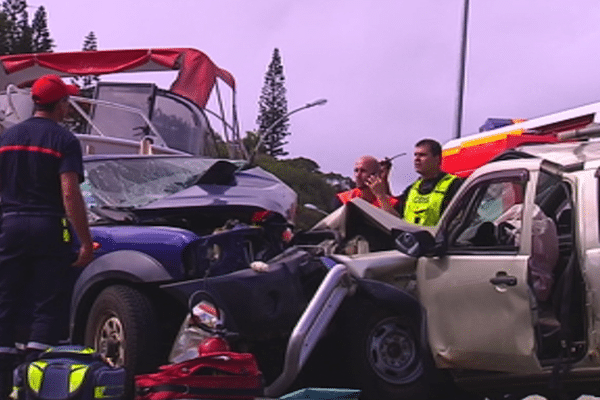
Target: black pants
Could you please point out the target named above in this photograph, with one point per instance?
(34, 262)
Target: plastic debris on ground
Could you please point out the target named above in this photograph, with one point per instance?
(322, 394)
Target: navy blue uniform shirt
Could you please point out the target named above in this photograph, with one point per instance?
(33, 154)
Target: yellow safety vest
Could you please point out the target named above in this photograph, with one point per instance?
(425, 209)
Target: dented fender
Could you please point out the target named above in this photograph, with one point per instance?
(398, 300)
(123, 265)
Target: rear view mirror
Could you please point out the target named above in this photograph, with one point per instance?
(415, 244)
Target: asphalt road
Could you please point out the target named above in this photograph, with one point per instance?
(542, 398)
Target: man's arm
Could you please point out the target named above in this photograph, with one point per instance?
(379, 188)
(76, 213)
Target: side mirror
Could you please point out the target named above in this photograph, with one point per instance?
(415, 244)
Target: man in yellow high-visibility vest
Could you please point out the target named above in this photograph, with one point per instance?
(425, 200)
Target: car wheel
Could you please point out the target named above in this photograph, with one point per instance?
(122, 327)
(387, 361)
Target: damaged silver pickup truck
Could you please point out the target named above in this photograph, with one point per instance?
(500, 300)
(506, 285)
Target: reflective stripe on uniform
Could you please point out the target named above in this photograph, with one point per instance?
(65, 231)
(16, 391)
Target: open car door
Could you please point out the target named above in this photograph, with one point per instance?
(477, 297)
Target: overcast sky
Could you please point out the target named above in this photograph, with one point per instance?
(388, 68)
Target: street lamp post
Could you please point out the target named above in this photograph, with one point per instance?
(461, 72)
(261, 135)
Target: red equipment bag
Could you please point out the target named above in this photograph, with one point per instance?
(221, 375)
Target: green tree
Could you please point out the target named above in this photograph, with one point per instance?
(41, 41)
(310, 184)
(250, 141)
(25, 35)
(90, 43)
(17, 35)
(271, 119)
(16, 18)
(87, 84)
(4, 34)
(339, 182)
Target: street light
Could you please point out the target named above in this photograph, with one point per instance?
(461, 72)
(261, 135)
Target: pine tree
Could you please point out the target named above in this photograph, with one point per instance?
(272, 120)
(14, 10)
(87, 83)
(17, 35)
(90, 43)
(41, 41)
(4, 33)
(25, 34)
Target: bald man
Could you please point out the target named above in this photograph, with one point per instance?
(371, 185)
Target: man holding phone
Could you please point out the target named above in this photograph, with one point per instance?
(371, 185)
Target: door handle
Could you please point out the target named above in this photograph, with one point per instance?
(502, 278)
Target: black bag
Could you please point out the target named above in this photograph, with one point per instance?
(68, 372)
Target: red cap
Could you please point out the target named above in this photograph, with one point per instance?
(50, 89)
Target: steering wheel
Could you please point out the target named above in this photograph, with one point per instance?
(506, 233)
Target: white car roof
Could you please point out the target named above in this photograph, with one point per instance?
(564, 154)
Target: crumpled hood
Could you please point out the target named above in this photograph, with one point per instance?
(250, 188)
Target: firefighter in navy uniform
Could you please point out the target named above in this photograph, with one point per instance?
(424, 201)
(41, 168)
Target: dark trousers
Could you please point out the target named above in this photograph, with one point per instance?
(34, 261)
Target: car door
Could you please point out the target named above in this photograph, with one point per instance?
(477, 295)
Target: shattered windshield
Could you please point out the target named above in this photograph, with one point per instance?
(135, 182)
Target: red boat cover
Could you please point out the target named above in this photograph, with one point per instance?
(195, 81)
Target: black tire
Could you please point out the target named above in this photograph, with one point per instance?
(122, 326)
(386, 357)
